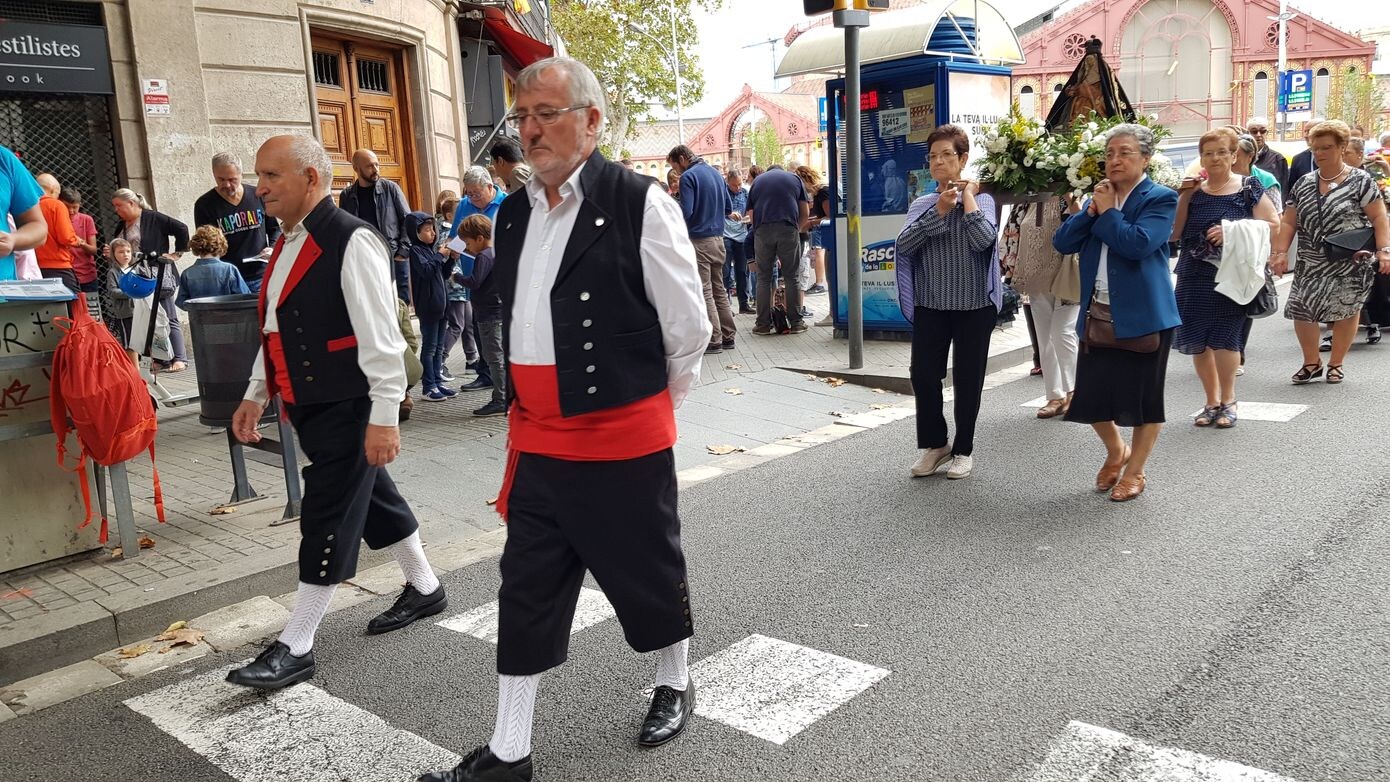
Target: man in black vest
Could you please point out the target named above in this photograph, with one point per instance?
(605, 325)
(332, 349)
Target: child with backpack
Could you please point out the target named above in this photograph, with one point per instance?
(209, 275)
(429, 273)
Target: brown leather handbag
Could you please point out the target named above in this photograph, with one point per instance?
(1100, 333)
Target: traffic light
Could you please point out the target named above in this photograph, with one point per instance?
(817, 7)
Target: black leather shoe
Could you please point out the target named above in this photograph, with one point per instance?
(476, 385)
(667, 716)
(483, 766)
(274, 668)
(411, 605)
(728, 344)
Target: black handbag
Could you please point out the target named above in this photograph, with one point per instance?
(1345, 245)
(1266, 302)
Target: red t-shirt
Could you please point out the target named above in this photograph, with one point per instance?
(84, 264)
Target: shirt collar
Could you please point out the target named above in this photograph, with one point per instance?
(535, 188)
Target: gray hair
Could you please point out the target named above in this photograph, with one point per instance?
(476, 175)
(307, 153)
(1258, 121)
(126, 194)
(584, 87)
(1246, 143)
(1141, 135)
(224, 159)
(1357, 143)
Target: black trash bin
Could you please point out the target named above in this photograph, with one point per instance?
(225, 332)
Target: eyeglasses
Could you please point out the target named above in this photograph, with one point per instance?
(543, 116)
(1115, 154)
(1258, 131)
(475, 195)
(942, 156)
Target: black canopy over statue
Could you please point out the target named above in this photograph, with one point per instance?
(1092, 87)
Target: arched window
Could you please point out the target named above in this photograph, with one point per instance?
(1322, 88)
(1027, 102)
(1260, 105)
(1176, 61)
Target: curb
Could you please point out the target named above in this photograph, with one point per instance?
(898, 379)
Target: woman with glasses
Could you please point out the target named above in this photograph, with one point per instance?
(1122, 235)
(949, 288)
(1213, 325)
(1331, 199)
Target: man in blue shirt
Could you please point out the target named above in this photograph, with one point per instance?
(19, 198)
(779, 206)
(706, 204)
(735, 235)
(480, 197)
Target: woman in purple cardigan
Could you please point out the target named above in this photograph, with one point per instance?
(949, 288)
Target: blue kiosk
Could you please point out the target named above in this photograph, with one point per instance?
(942, 61)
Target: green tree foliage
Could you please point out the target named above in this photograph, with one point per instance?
(633, 69)
(765, 145)
(1358, 100)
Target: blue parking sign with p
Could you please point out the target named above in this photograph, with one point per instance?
(1296, 91)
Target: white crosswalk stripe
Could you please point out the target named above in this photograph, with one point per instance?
(773, 689)
(481, 622)
(298, 734)
(1085, 752)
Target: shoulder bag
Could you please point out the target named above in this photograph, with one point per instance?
(1100, 333)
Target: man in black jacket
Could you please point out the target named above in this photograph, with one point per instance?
(1266, 157)
(381, 203)
(1302, 162)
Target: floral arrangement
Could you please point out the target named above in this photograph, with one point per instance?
(1022, 157)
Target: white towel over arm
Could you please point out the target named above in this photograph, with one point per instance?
(1244, 253)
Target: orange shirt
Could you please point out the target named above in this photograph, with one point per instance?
(54, 253)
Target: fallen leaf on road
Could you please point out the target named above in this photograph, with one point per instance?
(812, 377)
(221, 511)
(179, 625)
(879, 407)
(185, 635)
(117, 552)
(18, 593)
(146, 541)
(134, 651)
(834, 382)
(734, 391)
(878, 390)
(837, 413)
(733, 366)
(492, 501)
(720, 450)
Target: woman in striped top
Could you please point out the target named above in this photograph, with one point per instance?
(949, 289)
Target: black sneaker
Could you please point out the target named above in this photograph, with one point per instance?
(490, 409)
(728, 344)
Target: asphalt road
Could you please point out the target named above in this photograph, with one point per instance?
(1237, 610)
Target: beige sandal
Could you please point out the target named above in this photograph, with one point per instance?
(1053, 408)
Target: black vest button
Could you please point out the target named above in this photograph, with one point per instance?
(309, 379)
(588, 323)
(588, 346)
(303, 347)
(299, 331)
(589, 369)
(582, 297)
(593, 389)
(306, 363)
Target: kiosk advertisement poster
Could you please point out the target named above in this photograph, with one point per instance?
(977, 100)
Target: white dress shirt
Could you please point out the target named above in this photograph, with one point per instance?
(370, 297)
(1103, 271)
(669, 274)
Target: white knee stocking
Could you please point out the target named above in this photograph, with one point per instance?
(672, 666)
(411, 556)
(516, 709)
(310, 604)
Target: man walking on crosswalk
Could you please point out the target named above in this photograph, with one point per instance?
(331, 348)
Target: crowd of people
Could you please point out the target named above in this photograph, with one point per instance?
(1104, 307)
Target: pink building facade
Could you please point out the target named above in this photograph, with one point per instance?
(1197, 64)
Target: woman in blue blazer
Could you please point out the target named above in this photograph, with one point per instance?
(1122, 237)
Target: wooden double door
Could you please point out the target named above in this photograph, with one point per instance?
(363, 104)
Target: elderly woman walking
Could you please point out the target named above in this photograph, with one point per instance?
(1129, 309)
(1213, 325)
(949, 288)
(150, 232)
(1332, 284)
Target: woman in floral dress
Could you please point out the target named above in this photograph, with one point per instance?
(1332, 198)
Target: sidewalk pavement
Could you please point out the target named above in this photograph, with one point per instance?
(747, 409)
